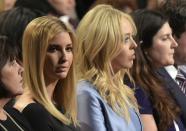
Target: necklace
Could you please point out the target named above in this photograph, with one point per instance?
(12, 119)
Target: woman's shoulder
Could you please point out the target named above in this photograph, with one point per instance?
(35, 109)
(34, 106)
(143, 100)
(84, 84)
(18, 117)
(87, 92)
(30, 108)
(140, 93)
(86, 87)
(22, 102)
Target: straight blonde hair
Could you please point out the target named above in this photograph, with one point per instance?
(99, 37)
(36, 39)
(2, 5)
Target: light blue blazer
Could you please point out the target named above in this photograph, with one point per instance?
(94, 114)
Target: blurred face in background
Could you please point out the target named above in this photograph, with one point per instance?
(64, 7)
(180, 51)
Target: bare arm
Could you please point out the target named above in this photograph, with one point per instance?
(148, 122)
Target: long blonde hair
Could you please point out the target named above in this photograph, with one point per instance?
(37, 36)
(99, 37)
(2, 5)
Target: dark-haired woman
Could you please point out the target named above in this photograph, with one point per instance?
(11, 82)
(155, 50)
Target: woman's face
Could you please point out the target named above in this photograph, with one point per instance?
(162, 50)
(180, 51)
(59, 57)
(11, 77)
(125, 57)
(64, 7)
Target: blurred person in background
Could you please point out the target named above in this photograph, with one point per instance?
(127, 6)
(64, 9)
(13, 23)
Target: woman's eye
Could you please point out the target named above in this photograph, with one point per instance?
(19, 62)
(69, 49)
(164, 38)
(126, 39)
(52, 48)
(13, 62)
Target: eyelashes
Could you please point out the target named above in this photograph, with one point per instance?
(54, 47)
(128, 38)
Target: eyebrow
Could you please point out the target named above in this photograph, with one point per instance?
(167, 34)
(55, 44)
(69, 44)
(126, 34)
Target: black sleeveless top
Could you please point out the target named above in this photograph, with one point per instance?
(41, 120)
(17, 117)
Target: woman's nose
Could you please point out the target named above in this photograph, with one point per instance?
(134, 45)
(63, 57)
(174, 43)
(21, 69)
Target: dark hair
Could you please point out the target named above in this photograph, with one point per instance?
(82, 7)
(13, 23)
(8, 53)
(175, 11)
(118, 4)
(39, 5)
(148, 23)
(177, 20)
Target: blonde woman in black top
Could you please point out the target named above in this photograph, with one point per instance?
(49, 100)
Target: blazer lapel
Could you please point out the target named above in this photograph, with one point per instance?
(174, 89)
